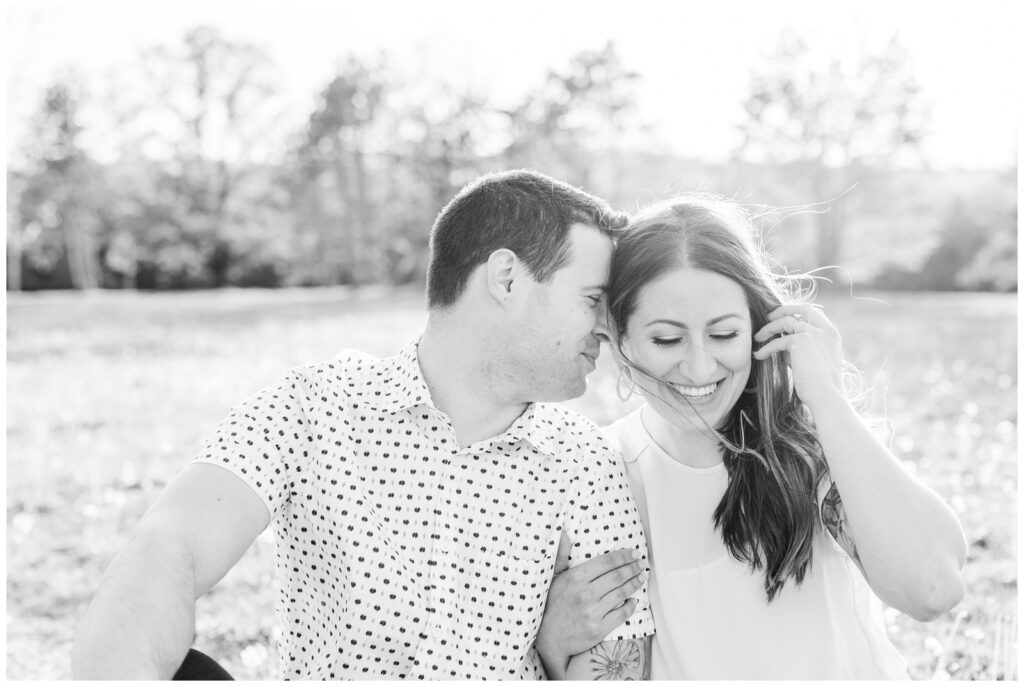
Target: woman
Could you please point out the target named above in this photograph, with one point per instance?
(775, 519)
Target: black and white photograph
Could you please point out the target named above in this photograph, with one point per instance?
(457, 340)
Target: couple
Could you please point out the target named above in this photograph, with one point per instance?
(437, 518)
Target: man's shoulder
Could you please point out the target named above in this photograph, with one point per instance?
(349, 368)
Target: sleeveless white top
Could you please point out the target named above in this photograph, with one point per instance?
(711, 615)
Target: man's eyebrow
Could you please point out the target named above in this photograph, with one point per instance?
(674, 323)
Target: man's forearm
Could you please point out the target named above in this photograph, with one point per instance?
(624, 659)
(141, 621)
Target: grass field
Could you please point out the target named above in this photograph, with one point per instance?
(108, 395)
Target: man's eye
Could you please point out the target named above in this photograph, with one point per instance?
(595, 300)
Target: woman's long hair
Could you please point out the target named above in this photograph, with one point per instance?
(768, 515)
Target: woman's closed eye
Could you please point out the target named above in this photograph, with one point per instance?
(719, 337)
(666, 340)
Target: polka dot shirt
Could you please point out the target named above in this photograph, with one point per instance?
(400, 554)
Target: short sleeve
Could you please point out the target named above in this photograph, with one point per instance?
(602, 517)
(266, 440)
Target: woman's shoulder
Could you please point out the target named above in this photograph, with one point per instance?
(626, 435)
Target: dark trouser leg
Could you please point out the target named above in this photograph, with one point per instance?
(199, 666)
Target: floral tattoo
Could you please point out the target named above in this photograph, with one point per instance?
(834, 517)
(627, 659)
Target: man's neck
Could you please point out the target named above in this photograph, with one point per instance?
(465, 383)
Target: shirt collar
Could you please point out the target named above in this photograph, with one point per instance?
(534, 427)
(404, 387)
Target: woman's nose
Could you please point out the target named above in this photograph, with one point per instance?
(698, 365)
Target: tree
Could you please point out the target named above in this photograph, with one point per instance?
(210, 115)
(827, 124)
(335, 161)
(574, 119)
(57, 203)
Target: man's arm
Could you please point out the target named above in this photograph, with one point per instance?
(621, 659)
(141, 622)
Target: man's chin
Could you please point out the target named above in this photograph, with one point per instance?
(567, 392)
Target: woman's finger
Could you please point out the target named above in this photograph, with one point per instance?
(618, 615)
(811, 312)
(778, 345)
(615, 579)
(616, 596)
(801, 309)
(788, 324)
(598, 566)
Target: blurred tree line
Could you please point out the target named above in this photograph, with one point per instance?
(195, 197)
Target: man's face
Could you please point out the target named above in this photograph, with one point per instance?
(558, 346)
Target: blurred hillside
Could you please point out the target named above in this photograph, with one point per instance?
(178, 185)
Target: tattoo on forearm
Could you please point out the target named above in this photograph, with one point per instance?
(834, 517)
(627, 659)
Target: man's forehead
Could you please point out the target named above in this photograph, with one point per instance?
(590, 256)
(587, 237)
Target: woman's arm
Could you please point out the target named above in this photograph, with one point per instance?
(903, 537)
(622, 659)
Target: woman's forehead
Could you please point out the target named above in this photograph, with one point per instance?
(699, 294)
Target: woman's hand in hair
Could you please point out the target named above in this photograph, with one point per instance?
(904, 538)
(813, 347)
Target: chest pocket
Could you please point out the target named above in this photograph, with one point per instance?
(490, 606)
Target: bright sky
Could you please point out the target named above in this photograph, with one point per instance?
(694, 57)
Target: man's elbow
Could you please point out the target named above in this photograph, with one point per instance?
(141, 618)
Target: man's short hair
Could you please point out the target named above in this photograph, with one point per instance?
(524, 211)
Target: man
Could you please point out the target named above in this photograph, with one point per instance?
(418, 501)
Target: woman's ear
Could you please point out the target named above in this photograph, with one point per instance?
(501, 272)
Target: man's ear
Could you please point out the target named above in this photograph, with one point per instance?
(502, 272)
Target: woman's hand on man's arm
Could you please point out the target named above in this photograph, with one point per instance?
(585, 603)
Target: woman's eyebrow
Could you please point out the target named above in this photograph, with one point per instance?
(674, 323)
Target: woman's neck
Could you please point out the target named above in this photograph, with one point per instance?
(695, 447)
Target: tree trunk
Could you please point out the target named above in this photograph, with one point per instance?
(366, 268)
(83, 259)
(14, 252)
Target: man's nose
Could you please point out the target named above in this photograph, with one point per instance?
(601, 330)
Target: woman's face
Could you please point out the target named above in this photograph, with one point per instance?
(691, 329)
